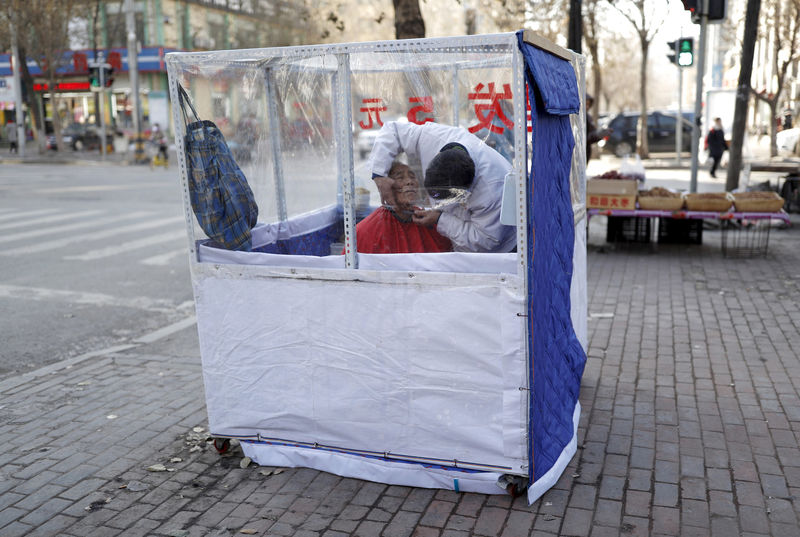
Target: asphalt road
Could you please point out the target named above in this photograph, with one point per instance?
(91, 257)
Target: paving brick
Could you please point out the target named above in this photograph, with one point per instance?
(753, 519)
(437, 513)
(39, 497)
(418, 500)
(16, 529)
(695, 513)
(402, 525)
(46, 511)
(518, 523)
(612, 487)
(490, 521)
(666, 520)
(470, 504)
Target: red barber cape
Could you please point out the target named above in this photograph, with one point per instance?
(382, 233)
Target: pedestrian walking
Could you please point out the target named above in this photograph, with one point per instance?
(11, 134)
(716, 145)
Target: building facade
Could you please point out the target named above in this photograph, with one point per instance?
(162, 26)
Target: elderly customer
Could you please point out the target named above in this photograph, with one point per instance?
(391, 230)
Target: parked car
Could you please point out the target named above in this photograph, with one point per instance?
(365, 138)
(365, 141)
(787, 141)
(78, 136)
(660, 133)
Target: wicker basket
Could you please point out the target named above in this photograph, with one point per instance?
(658, 203)
(758, 202)
(717, 202)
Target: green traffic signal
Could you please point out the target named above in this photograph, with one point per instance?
(685, 51)
(94, 77)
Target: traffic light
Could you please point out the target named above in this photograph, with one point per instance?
(685, 51)
(681, 51)
(108, 76)
(717, 10)
(690, 5)
(94, 77)
(673, 47)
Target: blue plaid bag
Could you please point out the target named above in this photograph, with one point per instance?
(221, 198)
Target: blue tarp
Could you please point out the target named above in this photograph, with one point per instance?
(557, 356)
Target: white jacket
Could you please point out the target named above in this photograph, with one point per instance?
(474, 225)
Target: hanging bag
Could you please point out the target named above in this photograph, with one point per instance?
(221, 198)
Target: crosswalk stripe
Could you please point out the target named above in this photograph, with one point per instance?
(24, 214)
(164, 259)
(48, 219)
(78, 297)
(72, 227)
(128, 246)
(105, 233)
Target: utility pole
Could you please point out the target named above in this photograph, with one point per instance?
(679, 122)
(133, 74)
(18, 111)
(102, 68)
(698, 96)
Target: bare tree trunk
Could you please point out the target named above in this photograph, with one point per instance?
(408, 23)
(742, 94)
(643, 147)
(574, 35)
(51, 81)
(773, 126)
(33, 108)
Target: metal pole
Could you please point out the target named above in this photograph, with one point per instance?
(102, 72)
(133, 65)
(698, 95)
(679, 124)
(18, 111)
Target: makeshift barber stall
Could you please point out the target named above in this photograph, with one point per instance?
(456, 370)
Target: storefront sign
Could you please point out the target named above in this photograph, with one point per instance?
(7, 89)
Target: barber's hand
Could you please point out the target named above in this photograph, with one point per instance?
(426, 218)
(385, 190)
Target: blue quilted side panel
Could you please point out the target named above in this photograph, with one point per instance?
(556, 83)
(557, 356)
(315, 243)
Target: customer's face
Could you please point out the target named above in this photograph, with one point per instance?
(406, 186)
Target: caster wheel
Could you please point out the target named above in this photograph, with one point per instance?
(222, 445)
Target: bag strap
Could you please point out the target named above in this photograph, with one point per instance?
(184, 99)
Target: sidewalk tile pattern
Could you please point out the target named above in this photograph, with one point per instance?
(690, 426)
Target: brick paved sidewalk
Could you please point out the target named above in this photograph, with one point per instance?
(690, 427)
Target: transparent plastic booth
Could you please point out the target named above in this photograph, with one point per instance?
(450, 370)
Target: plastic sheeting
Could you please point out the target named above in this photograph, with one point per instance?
(413, 369)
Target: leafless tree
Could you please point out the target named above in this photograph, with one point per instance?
(43, 35)
(647, 17)
(742, 93)
(592, 35)
(780, 25)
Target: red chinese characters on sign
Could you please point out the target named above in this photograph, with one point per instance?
(115, 60)
(376, 108)
(486, 101)
(80, 63)
(425, 108)
(609, 202)
(487, 111)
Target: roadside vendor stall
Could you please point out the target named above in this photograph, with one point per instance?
(454, 370)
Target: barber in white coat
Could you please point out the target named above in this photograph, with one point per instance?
(463, 176)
